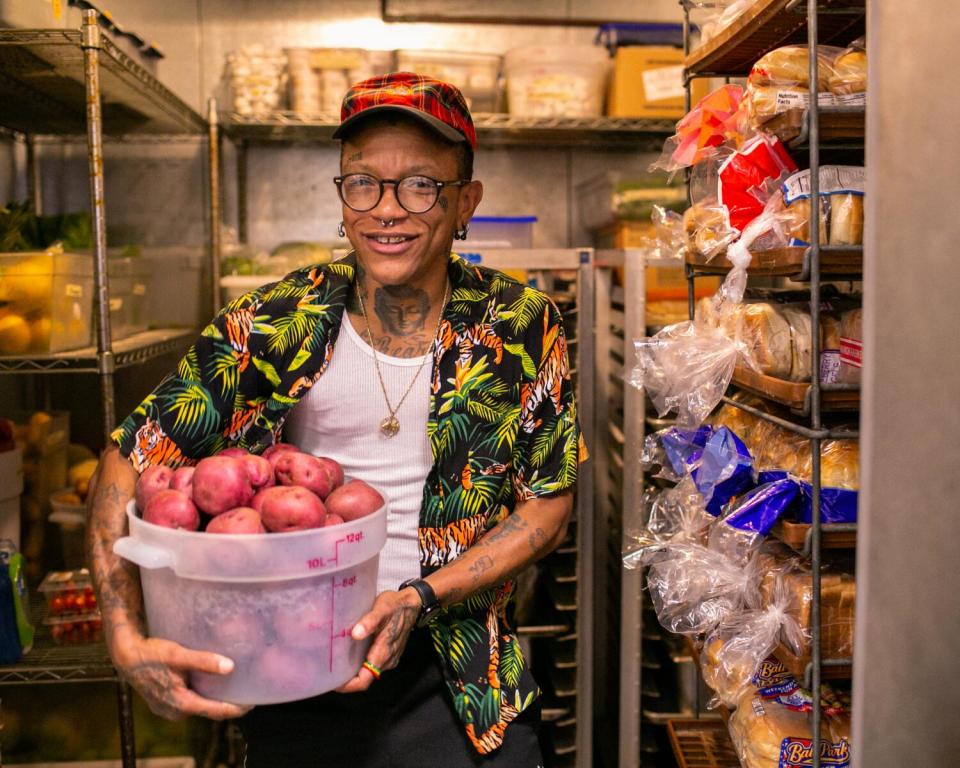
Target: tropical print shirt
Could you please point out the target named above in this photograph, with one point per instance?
(502, 426)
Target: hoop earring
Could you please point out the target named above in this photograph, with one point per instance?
(341, 231)
(461, 234)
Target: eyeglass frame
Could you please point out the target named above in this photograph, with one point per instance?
(338, 181)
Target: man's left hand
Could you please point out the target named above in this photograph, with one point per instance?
(390, 621)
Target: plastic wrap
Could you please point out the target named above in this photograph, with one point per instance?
(735, 650)
(694, 588)
(793, 580)
(748, 520)
(673, 516)
(717, 118)
(716, 15)
(715, 458)
(849, 74)
(842, 188)
(745, 178)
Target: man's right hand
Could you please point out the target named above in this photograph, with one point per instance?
(157, 669)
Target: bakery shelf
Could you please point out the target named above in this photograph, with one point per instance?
(127, 352)
(840, 261)
(795, 395)
(702, 743)
(801, 668)
(832, 535)
(768, 24)
(493, 129)
(42, 88)
(836, 433)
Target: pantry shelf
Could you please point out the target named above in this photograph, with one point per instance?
(702, 743)
(493, 129)
(127, 352)
(839, 261)
(796, 395)
(42, 88)
(832, 535)
(48, 663)
(769, 24)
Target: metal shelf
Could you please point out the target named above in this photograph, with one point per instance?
(81, 663)
(42, 88)
(836, 261)
(493, 129)
(768, 24)
(130, 351)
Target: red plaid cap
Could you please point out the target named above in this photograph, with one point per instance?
(438, 104)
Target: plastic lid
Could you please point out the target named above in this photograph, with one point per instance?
(504, 219)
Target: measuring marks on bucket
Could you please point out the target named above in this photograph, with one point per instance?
(319, 562)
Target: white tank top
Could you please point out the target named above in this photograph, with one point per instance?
(340, 417)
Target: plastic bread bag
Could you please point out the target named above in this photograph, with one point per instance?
(694, 588)
(851, 346)
(747, 178)
(839, 482)
(718, 118)
(849, 74)
(672, 516)
(793, 581)
(706, 230)
(842, 188)
(733, 653)
(780, 80)
(770, 734)
(671, 450)
(669, 242)
(723, 470)
(747, 520)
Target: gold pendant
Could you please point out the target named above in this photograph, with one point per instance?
(390, 426)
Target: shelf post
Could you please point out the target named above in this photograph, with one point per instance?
(813, 117)
(213, 139)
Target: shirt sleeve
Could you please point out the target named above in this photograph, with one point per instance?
(191, 413)
(548, 449)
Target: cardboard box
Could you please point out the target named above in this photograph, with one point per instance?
(647, 81)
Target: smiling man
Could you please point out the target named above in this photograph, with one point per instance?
(445, 385)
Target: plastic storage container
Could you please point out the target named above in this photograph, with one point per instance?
(46, 299)
(281, 605)
(500, 232)
(175, 293)
(614, 196)
(475, 74)
(557, 81)
(319, 77)
(69, 594)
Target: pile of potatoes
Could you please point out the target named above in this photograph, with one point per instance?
(241, 493)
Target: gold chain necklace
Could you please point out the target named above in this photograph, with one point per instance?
(390, 425)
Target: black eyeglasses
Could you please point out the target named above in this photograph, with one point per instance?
(416, 194)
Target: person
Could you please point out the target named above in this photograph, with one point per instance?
(446, 385)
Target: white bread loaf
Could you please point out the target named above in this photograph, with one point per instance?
(767, 336)
(846, 219)
(801, 343)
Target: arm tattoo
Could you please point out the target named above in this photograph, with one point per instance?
(537, 540)
(483, 564)
(508, 527)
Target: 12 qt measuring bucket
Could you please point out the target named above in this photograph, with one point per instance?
(281, 605)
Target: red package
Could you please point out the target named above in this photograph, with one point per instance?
(746, 175)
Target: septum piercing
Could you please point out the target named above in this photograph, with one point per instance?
(387, 224)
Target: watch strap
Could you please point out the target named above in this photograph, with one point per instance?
(429, 604)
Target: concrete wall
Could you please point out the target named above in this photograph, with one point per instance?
(908, 623)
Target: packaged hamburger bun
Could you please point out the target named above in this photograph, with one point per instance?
(850, 70)
(842, 188)
(790, 66)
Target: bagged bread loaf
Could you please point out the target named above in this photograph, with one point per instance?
(841, 205)
(767, 337)
(706, 230)
(839, 465)
(849, 73)
(801, 342)
(851, 346)
(790, 66)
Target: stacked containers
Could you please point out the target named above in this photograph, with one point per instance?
(319, 77)
(475, 74)
(557, 81)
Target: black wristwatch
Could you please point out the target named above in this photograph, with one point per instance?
(429, 605)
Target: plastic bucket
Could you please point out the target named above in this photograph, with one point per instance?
(555, 81)
(280, 605)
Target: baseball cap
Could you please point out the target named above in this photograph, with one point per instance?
(437, 104)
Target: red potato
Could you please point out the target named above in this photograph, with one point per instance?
(257, 502)
(221, 483)
(334, 470)
(286, 669)
(332, 520)
(259, 470)
(238, 634)
(152, 480)
(237, 453)
(172, 509)
(273, 453)
(304, 470)
(354, 500)
(305, 625)
(291, 508)
(239, 520)
(183, 480)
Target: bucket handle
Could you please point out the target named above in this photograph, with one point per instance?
(143, 554)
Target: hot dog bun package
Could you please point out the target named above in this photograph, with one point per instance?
(842, 189)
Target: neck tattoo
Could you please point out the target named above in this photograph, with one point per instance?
(390, 424)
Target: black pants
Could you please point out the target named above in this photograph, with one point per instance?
(404, 720)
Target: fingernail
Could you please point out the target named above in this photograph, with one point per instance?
(225, 665)
(358, 632)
